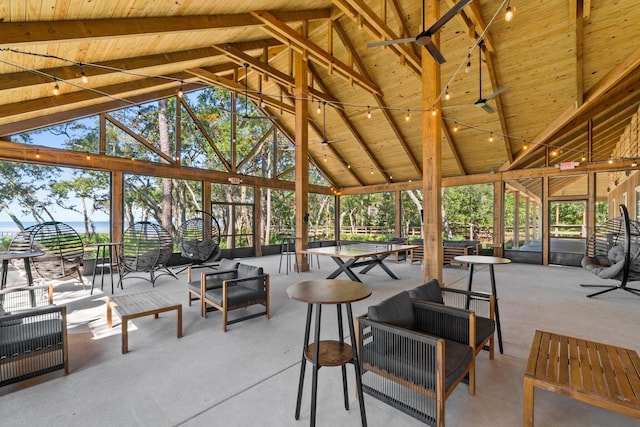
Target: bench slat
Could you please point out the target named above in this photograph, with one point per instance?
(586, 368)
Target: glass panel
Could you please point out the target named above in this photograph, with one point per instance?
(367, 216)
(468, 212)
(79, 135)
(522, 215)
(567, 232)
(243, 217)
(412, 205)
(321, 217)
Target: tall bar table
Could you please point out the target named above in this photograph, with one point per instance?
(490, 261)
(113, 261)
(329, 352)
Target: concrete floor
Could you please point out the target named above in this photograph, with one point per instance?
(249, 375)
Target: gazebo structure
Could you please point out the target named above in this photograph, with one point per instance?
(543, 106)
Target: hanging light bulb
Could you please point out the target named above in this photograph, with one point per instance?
(455, 127)
(56, 88)
(610, 161)
(468, 67)
(180, 92)
(371, 171)
(325, 157)
(83, 76)
(349, 166)
(319, 109)
(584, 158)
(554, 153)
(433, 111)
(508, 12)
(408, 116)
(524, 147)
(37, 153)
(634, 163)
(491, 137)
(447, 96)
(262, 103)
(368, 112)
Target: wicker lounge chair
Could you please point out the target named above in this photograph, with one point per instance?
(62, 246)
(146, 248)
(613, 252)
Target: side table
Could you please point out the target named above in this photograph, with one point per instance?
(329, 352)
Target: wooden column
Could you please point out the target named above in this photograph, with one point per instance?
(432, 154)
(336, 222)
(591, 204)
(257, 232)
(516, 220)
(545, 220)
(117, 206)
(498, 216)
(301, 92)
(398, 209)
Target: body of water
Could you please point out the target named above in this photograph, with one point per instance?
(9, 228)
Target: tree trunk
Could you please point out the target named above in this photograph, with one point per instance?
(165, 147)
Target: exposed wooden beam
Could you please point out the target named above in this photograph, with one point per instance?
(75, 100)
(357, 9)
(288, 35)
(140, 139)
(477, 26)
(349, 124)
(620, 83)
(25, 33)
(454, 150)
(577, 21)
(235, 86)
(379, 99)
(13, 151)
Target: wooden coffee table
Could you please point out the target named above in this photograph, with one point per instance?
(602, 375)
(138, 305)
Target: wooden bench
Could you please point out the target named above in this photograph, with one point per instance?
(602, 375)
(450, 252)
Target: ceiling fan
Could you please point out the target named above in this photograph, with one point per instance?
(324, 141)
(424, 38)
(483, 102)
(246, 117)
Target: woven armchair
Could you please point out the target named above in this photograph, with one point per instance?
(248, 286)
(412, 355)
(481, 303)
(227, 269)
(33, 341)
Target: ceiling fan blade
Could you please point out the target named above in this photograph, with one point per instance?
(433, 50)
(486, 107)
(390, 42)
(445, 18)
(498, 92)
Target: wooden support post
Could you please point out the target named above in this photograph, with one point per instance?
(432, 154)
(301, 92)
(117, 206)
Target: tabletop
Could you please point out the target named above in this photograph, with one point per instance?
(359, 250)
(328, 291)
(19, 255)
(482, 259)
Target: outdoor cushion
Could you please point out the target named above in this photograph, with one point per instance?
(250, 271)
(397, 311)
(16, 339)
(484, 329)
(225, 265)
(457, 359)
(430, 291)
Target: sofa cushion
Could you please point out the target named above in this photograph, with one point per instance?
(17, 339)
(225, 265)
(397, 311)
(430, 291)
(484, 329)
(245, 270)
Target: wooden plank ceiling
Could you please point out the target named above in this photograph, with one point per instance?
(570, 72)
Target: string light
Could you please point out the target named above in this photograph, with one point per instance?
(468, 67)
(524, 147)
(56, 88)
(491, 137)
(325, 157)
(433, 111)
(455, 127)
(447, 96)
(319, 109)
(37, 153)
(371, 171)
(408, 116)
(348, 165)
(83, 76)
(180, 92)
(262, 103)
(508, 13)
(368, 112)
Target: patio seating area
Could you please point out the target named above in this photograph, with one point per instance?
(249, 375)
